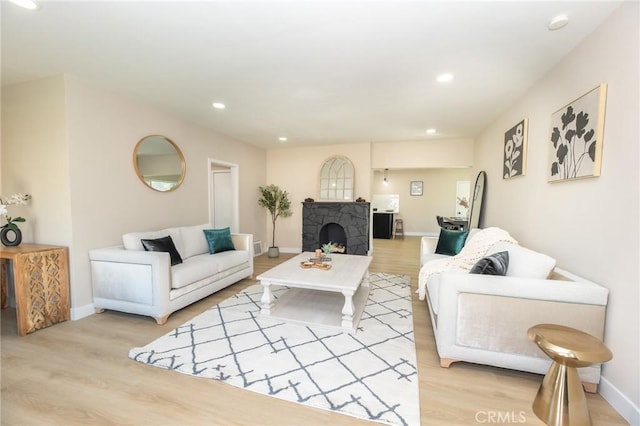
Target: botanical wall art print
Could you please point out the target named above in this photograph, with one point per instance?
(575, 149)
(515, 150)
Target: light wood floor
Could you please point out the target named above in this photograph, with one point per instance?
(78, 373)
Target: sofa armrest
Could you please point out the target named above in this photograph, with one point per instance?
(582, 291)
(243, 242)
(120, 255)
(134, 276)
(428, 245)
(428, 250)
(484, 319)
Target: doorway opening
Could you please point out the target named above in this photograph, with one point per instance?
(224, 195)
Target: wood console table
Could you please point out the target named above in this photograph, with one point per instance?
(41, 283)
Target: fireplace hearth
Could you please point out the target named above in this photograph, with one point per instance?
(343, 223)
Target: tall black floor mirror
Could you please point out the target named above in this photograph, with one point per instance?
(475, 216)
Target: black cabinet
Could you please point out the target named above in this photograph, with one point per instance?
(383, 225)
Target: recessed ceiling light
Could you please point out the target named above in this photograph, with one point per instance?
(282, 139)
(444, 77)
(558, 22)
(27, 4)
(219, 105)
(431, 131)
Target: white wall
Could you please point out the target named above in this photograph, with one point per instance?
(35, 158)
(422, 154)
(439, 195)
(591, 225)
(297, 170)
(76, 158)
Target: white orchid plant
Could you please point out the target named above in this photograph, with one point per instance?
(15, 199)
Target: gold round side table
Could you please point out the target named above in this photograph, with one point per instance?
(560, 400)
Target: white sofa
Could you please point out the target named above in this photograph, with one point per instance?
(484, 319)
(129, 279)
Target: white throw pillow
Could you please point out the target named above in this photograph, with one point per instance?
(131, 241)
(194, 240)
(524, 262)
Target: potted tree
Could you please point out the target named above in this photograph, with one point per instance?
(277, 202)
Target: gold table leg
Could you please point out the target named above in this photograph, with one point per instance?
(560, 400)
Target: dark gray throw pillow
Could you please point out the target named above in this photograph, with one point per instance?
(164, 244)
(495, 264)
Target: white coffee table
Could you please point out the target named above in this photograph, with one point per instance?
(332, 298)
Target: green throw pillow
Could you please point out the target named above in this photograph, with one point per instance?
(495, 264)
(164, 244)
(451, 242)
(219, 240)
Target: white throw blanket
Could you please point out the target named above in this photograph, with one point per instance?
(473, 250)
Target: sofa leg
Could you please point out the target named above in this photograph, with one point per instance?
(590, 387)
(99, 310)
(161, 320)
(446, 362)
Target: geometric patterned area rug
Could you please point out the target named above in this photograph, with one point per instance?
(371, 374)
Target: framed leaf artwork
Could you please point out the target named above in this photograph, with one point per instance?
(575, 145)
(515, 150)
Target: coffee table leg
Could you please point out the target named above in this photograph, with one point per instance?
(267, 298)
(347, 310)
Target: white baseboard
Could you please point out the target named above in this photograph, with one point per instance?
(82, 312)
(619, 401)
(422, 234)
(295, 250)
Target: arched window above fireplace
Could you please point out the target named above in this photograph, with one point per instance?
(337, 179)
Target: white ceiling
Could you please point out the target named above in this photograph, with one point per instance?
(317, 72)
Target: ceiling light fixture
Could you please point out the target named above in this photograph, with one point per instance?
(219, 105)
(27, 4)
(282, 139)
(431, 131)
(558, 22)
(444, 77)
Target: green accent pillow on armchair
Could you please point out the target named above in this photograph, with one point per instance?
(451, 242)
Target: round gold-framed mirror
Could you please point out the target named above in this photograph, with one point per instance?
(159, 163)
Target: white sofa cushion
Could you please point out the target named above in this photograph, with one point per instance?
(131, 241)
(194, 240)
(194, 269)
(206, 265)
(524, 262)
(230, 259)
(427, 257)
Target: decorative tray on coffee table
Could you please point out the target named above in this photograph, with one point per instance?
(311, 264)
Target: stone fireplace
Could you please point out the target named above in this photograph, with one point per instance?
(344, 223)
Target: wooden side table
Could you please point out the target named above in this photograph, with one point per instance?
(41, 282)
(560, 400)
